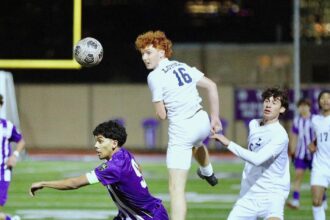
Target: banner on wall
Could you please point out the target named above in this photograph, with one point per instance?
(249, 105)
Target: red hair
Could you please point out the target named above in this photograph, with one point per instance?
(157, 39)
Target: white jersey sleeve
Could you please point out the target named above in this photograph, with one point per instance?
(92, 178)
(156, 87)
(269, 151)
(196, 74)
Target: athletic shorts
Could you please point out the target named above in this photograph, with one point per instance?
(183, 135)
(303, 164)
(319, 178)
(254, 208)
(4, 186)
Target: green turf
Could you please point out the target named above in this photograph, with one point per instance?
(204, 202)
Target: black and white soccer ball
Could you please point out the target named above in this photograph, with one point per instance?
(88, 52)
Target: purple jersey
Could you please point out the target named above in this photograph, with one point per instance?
(302, 128)
(8, 133)
(127, 187)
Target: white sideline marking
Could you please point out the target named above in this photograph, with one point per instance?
(65, 214)
(200, 198)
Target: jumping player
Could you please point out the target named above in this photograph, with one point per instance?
(173, 86)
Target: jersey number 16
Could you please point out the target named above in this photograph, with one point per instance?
(182, 76)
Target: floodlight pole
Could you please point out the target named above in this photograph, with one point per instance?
(296, 49)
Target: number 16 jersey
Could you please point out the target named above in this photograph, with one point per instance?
(174, 83)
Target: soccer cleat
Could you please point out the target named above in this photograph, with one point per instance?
(212, 180)
(15, 217)
(293, 204)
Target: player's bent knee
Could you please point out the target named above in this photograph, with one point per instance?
(317, 202)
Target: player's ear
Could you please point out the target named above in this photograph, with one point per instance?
(115, 144)
(282, 109)
(161, 53)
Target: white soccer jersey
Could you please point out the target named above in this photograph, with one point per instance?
(267, 165)
(175, 84)
(321, 127)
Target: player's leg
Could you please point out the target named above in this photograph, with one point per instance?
(178, 160)
(201, 125)
(205, 171)
(325, 200)
(295, 202)
(4, 186)
(4, 216)
(317, 196)
(319, 183)
(244, 209)
(274, 206)
(177, 183)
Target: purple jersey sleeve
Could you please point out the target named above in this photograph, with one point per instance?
(108, 173)
(15, 135)
(295, 128)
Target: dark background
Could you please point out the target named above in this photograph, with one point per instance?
(37, 29)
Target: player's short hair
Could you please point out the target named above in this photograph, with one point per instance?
(157, 39)
(113, 130)
(1, 99)
(304, 101)
(320, 95)
(276, 92)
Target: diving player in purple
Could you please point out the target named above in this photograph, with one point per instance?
(120, 174)
(8, 159)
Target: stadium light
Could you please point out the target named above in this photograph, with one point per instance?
(51, 63)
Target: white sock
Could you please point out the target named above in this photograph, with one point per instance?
(318, 213)
(207, 171)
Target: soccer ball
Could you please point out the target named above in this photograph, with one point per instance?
(88, 52)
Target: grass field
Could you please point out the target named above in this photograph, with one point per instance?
(93, 202)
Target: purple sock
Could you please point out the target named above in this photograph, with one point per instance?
(7, 217)
(296, 195)
(324, 197)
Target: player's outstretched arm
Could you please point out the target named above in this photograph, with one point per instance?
(271, 150)
(66, 184)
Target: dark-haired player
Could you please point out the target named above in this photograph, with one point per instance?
(266, 178)
(120, 174)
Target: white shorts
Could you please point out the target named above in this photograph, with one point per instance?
(253, 208)
(183, 135)
(319, 178)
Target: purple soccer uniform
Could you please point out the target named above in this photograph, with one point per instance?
(8, 134)
(128, 189)
(302, 127)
